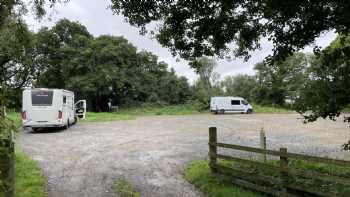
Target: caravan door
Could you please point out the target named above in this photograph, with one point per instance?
(80, 109)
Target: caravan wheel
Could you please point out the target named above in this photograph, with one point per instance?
(67, 125)
(35, 129)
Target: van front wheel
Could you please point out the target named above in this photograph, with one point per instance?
(249, 111)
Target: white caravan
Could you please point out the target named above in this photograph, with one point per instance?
(230, 104)
(43, 107)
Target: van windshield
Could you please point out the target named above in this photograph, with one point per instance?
(42, 97)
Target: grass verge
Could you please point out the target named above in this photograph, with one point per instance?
(124, 189)
(271, 109)
(346, 110)
(198, 173)
(29, 180)
(144, 110)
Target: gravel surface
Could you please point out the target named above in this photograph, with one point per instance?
(152, 152)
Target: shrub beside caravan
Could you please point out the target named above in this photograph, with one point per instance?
(230, 104)
(42, 108)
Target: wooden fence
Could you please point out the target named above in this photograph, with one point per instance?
(280, 185)
(7, 176)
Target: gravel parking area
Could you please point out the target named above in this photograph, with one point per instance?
(152, 152)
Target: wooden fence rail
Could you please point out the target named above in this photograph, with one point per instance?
(276, 186)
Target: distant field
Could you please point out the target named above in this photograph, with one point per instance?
(346, 110)
(146, 110)
(271, 109)
(152, 110)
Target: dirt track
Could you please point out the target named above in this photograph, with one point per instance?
(151, 152)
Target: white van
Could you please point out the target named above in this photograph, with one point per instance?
(230, 104)
(42, 107)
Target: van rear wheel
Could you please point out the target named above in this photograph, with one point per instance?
(222, 111)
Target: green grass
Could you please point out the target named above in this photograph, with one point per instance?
(346, 110)
(29, 180)
(105, 116)
(153, 110)
(271, 109)
(16, 118)
(149, 109)
(198, 173)
(124, 189)
(145, 110)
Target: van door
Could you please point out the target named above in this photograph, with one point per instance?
(80, 109)
(236, 105)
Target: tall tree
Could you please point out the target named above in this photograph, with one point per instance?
(16, 54)
(240, 85)
(16, 60)
(61, 50)
(207, 84)
(281, 79)
(205, 68)
(104, 68)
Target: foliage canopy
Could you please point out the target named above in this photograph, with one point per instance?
(193, 29)
(327, 91)
(105, 68)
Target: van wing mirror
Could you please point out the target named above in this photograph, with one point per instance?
(80, 109)
(244, 102)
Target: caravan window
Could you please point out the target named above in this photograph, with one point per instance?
(235, 102)
(42, 97)
(64, 99)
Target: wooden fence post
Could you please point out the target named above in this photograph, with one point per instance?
(7, 173)
(284, 171)
(263, 144)
(212, 148)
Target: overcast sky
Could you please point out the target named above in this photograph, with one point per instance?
(99, 20)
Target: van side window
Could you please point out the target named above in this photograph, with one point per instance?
(64, 99)
(235, 102)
